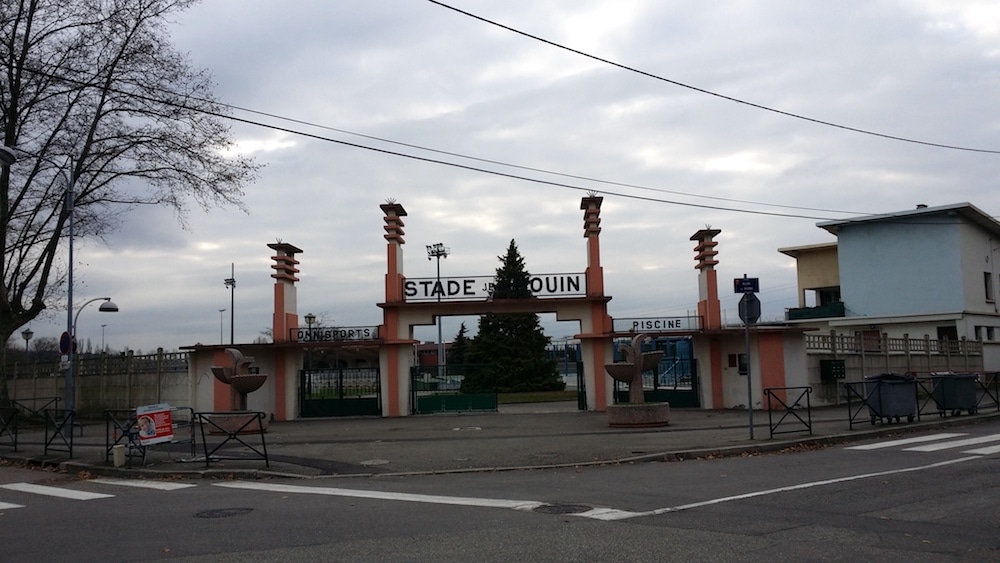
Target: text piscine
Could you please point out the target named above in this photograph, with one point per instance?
(481, 287)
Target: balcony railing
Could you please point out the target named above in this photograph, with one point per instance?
(821, 312)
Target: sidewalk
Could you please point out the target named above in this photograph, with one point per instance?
(518, 437)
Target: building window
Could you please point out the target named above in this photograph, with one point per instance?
(979, 332)
(988, 283)
(989, 333)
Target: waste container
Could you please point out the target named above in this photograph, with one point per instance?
(891, 396)
(955, 392)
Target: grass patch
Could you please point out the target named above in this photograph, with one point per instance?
(536, 397)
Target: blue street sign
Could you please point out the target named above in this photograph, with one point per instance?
(746, 285)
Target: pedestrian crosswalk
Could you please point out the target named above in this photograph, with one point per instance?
(939, 442)
(72, 493)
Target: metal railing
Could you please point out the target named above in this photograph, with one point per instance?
(789, 401)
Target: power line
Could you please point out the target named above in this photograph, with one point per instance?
(433, 160)
(711, 93)
(532, 169)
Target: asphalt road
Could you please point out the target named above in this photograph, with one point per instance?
(930, 500)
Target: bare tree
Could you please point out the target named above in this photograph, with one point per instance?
(94, 96)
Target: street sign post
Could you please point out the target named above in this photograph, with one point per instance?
(749, 308)
(749, 314)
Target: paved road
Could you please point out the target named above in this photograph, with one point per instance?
(918, 496)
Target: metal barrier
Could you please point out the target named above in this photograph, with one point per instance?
(121, 427)
(789, 408)
(33, 411)
(57, 422)
(232, 425)
(885, 397)
(8, 425)
(992, 381)
(954, 392)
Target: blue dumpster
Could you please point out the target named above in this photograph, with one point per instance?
(955, 392)
(891, 396)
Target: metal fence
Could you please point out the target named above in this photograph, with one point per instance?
(105, 382)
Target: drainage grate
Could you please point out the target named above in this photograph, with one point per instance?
(563, 508)
(222, 512)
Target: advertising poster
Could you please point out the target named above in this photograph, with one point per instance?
(154, 423)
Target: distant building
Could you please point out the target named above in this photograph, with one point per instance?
(926, 273)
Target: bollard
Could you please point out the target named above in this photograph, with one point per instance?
(118, 455)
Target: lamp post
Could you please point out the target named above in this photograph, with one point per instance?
(221, 341)
(26, 334)
(107, 307)
(439, 251)
(310, 319)
(102, 337)
(230, 283)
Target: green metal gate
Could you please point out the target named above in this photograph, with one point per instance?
(340, 392)
(439, 389)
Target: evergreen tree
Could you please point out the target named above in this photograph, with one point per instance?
(459, 347)
(509, 352)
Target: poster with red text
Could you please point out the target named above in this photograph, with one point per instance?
(154, 423)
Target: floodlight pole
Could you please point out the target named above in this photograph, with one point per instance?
(439, 251)
(231, 284)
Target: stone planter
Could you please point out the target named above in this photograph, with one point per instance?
(231, 422)
(641, 415)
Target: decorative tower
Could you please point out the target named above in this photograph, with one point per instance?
(395, 353)
(285, 320)
(709, 308)
(595, 340)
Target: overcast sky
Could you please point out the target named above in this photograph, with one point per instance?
(668, 159)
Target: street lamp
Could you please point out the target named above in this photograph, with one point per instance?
(439, 251)
(7, 156)
(230, 283)
(107, 307)
(310, 319)
(26, 334)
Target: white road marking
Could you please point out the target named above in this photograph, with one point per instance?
(954, 444)
(53, 491)
(8, 506)
(605, 514)
(357, 493)
(905, 441)
(988, 450)
(158, 485)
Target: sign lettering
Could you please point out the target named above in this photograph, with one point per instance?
(322, 334)
(657, 324)
(477, 288)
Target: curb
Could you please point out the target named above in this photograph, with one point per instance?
(773, 446)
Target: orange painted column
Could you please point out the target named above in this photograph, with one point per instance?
(600, 329)
(771, 354)
(709, 307)
(220, 391)
(285, 320)
(391, 328)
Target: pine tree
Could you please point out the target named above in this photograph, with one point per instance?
(459, 347)
(511, 348)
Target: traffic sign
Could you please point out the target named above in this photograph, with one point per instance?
(746, 285)
(64, 343)
(749, 308)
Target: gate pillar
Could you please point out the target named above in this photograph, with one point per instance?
(285, 319)
(709, 309)
(395, 354)
(596, 335)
